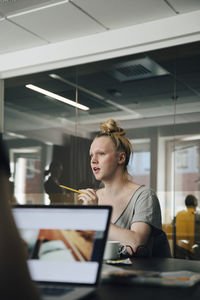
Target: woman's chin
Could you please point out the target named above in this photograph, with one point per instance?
(98, 177)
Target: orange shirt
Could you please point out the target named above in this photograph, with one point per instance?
(185, 228)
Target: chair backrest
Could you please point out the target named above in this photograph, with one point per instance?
(161, 246)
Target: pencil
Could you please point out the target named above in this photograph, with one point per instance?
(68, 188)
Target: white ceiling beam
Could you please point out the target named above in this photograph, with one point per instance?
(166, 32)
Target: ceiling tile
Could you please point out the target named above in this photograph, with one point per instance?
(13, 7)
(13, 38)
(185, 6)
(117, 13)
(59, 23)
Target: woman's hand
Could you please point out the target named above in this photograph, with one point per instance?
(88, 196)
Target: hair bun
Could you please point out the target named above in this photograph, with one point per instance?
(111, 126)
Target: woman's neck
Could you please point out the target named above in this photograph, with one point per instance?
(116, 185)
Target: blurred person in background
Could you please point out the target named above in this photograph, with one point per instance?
(185, 229)
(52, 184)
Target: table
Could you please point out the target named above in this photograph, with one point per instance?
(119, 291)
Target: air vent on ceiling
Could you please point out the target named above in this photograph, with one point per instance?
(137, 69)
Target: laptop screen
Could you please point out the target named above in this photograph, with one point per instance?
(65, 244)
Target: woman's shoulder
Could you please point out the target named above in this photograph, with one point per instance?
(144, 189)
(145, 194)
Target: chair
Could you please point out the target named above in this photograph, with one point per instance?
(161, 246)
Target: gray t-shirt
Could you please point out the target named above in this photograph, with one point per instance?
(142, 207)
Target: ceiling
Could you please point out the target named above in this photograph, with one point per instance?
(32, 23)
(139, 90)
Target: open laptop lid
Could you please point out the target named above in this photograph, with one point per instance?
(65, 243)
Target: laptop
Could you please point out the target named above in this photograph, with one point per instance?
(65, 247)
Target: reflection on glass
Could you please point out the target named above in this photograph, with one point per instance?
(139, 163)
(25, 174)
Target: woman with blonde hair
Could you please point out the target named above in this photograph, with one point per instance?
(136, 218)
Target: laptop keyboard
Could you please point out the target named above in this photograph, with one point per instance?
(55, 290)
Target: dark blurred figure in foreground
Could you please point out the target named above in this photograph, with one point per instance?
(15, 281)
(186, 223)
(51, 186)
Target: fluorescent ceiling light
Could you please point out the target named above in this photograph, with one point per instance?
(20, 136)
(28, 11)
(57, 97)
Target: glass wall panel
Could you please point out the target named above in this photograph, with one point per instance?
(139, 163)
(153, 95)
(41, 134)
(186, 154)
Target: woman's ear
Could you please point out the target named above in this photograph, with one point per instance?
(121, 158)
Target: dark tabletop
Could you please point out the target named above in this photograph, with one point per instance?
(122, 289)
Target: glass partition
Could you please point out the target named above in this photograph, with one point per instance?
(154, 96)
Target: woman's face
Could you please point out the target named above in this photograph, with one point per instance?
(104, 158)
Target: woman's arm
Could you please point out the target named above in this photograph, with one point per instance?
(138, 235)
(144, 216)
